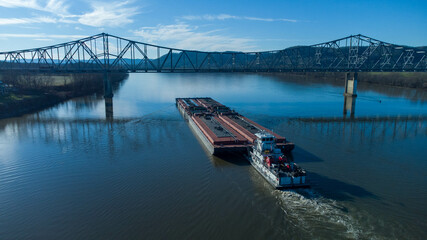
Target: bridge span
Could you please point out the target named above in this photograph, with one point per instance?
(105, 52)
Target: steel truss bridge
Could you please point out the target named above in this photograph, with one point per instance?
(108, 53)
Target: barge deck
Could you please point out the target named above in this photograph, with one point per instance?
(221, 129)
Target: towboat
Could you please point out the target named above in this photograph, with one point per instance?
(273, 165)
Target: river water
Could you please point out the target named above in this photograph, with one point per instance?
(70, 172)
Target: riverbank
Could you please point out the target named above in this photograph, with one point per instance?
(18, 104)
(40, 95)
(396, 79)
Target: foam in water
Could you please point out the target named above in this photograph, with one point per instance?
(309, 210)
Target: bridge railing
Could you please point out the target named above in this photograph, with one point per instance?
(104, 52)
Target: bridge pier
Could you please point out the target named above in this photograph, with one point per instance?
(108, 89)
(108, 96)
(349, 106)
(350, 88)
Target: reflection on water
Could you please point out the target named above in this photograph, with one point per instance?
(109, 108)
(366, 129)
(414, 95)
(378, 129)
(77, 170)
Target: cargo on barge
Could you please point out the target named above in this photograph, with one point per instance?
(221, 129)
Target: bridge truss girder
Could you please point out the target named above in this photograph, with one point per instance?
(104, 52)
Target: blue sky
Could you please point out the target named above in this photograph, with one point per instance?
(211, 25)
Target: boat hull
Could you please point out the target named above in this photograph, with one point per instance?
(278, 183)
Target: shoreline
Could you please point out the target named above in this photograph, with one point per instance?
(33, 102)
(411, 80)
(26, 101)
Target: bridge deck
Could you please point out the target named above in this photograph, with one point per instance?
(354, 53)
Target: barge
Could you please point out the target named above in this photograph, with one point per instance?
(223, 130)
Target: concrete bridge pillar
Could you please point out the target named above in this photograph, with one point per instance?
(350, 88)
(349, 105)
(108, 89)
(108, 96)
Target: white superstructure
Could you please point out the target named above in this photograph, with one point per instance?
(275, 167)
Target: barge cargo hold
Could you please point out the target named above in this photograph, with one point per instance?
(221, 129)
